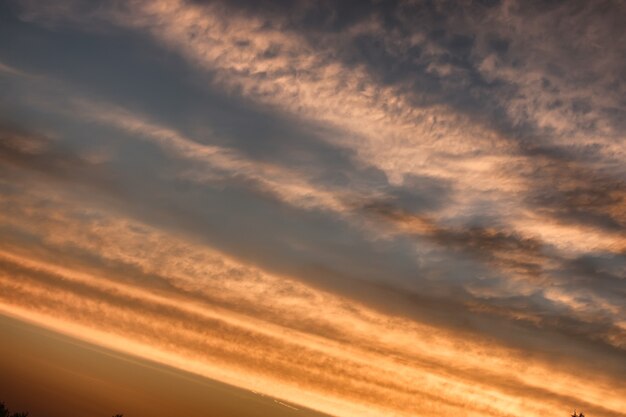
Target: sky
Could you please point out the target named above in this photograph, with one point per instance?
(361, 208)
(77, 378)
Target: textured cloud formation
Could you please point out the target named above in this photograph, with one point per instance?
(393, 208)
(173, 298)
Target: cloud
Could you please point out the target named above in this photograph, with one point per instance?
(520, 261)
(331, 177)
(36, 153)
(201, 333)
(567, 189)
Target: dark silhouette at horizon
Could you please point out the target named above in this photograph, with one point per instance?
(6, 412)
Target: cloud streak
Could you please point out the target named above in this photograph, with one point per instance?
(432, 222)
(206, 335)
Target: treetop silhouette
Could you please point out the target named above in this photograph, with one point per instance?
(5, 412)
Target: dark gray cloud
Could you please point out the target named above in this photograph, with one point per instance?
(568, 189)
(37, 153)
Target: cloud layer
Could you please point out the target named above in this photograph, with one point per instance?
(393, 208)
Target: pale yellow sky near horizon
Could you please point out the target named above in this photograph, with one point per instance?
(50, 375)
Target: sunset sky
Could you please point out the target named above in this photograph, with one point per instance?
(304, 208)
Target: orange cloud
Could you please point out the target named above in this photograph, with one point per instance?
(219, 317)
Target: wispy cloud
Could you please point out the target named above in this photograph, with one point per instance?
(435, 216)
(198, 332)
